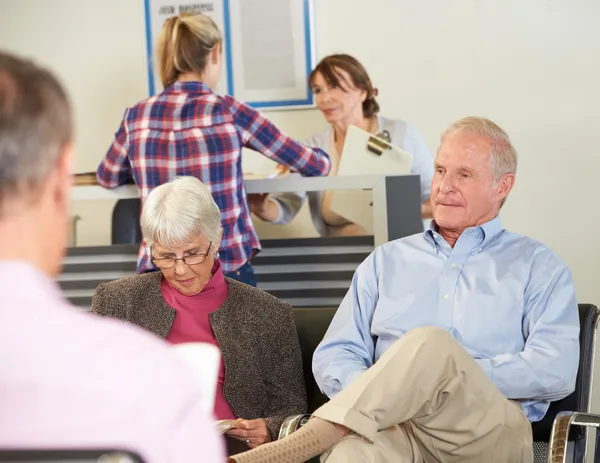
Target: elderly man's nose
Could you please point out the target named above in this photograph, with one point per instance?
(446, 185)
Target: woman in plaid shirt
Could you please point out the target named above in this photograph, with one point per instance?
(190, 130)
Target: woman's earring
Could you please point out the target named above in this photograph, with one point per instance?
(216, 255)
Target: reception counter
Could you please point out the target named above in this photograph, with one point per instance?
(396, 199)
(312, 272)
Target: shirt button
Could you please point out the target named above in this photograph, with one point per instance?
(446, 296)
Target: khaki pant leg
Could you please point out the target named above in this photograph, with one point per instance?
(395, 444)
(426, 378)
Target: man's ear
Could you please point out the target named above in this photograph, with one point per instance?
(62, 177)
(505, 185)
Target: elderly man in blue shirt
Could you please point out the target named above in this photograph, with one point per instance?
(450, 342)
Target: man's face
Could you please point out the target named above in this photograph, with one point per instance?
(464, 193)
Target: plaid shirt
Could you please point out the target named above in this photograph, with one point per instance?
(189, 130)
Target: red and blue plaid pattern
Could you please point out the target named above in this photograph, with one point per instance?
(189, 130)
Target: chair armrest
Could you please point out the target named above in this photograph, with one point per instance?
(560, 432)
(292, 423)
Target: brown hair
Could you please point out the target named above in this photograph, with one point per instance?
(35, 126)
(184, 45)
(329, 67)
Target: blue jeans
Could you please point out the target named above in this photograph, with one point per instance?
(244, 274)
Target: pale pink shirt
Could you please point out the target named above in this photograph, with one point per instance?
(72, 380)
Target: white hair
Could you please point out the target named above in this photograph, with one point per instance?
(503, 156)
(177, 212)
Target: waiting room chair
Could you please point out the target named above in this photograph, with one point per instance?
(126, 222)
(312, 324)
(550, 434)
(69, 456)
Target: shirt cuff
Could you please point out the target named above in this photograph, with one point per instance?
(280, 216)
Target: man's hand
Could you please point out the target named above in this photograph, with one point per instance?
(253, 432)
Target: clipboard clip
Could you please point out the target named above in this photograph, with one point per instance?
(378, 144)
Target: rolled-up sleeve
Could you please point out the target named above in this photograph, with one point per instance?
(260, 134)
(115, 168)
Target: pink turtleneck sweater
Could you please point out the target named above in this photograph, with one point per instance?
(192, 325)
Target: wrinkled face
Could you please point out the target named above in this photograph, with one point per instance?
(188, 279)
(338, 103)
(464, 193)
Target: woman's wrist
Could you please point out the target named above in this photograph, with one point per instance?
(269, 211)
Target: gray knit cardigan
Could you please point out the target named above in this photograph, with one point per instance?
(256, 334)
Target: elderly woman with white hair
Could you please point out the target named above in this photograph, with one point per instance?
(190, 300)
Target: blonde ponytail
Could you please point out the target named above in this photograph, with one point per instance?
(184, 45)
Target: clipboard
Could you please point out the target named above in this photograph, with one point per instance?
(366, 154)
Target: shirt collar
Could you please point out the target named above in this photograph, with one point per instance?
(188, 87)
(483, 233)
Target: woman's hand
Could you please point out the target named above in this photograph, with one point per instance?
(252, 432)
(263, 207)
(257, 201)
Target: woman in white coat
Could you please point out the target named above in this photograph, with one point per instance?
(345, 96)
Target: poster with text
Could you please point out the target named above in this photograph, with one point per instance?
(267, 48)
(157, 12)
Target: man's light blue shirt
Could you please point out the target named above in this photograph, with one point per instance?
(507, 299)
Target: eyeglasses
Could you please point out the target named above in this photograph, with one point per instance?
(192, 259)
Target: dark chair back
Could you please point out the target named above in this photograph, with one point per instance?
(68, 456)
(579, 400)
(126, 222)
(311, 325)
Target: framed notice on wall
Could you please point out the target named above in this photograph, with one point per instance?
(267, 51)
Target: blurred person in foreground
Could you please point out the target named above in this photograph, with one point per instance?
(70, 380)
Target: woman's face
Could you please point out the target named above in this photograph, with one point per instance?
(185, 278)
(338, 103)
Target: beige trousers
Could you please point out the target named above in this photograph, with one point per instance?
(427, 400)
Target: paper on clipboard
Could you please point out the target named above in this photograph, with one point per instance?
(366, 154)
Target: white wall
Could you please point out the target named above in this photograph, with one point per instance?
(532, 66)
